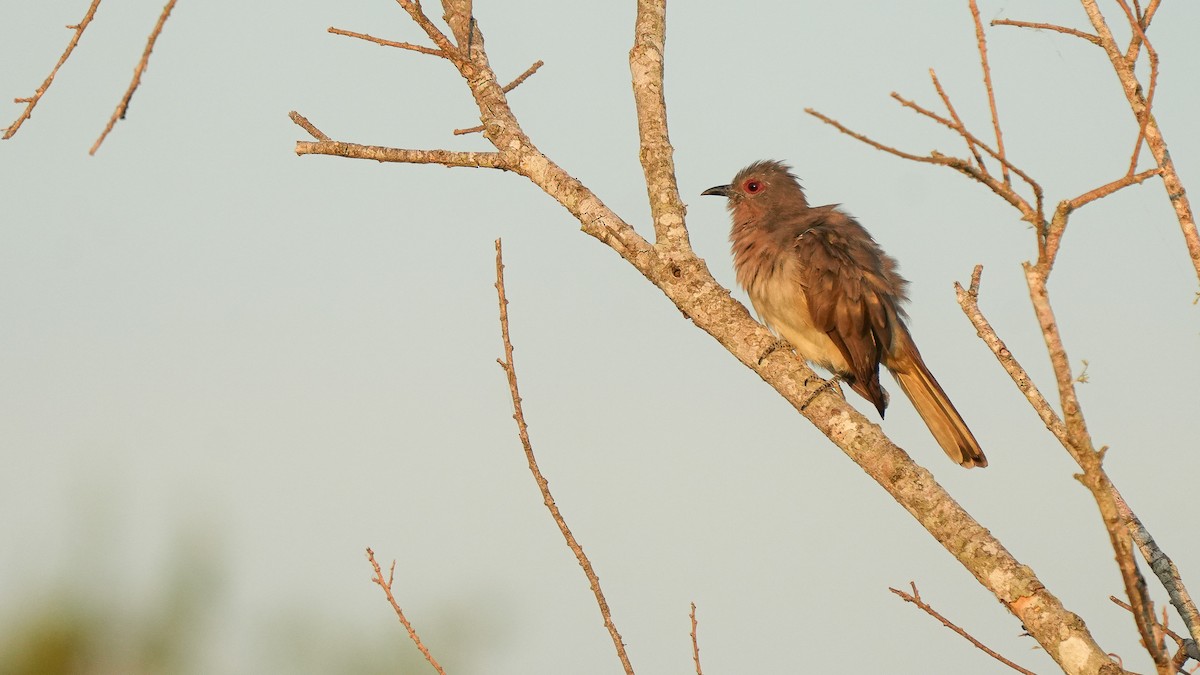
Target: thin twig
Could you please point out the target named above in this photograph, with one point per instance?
(969, 301)
(303, 122)
(389, 43)
(1052, 239)
(32, 101)
(1184, 644)
(971, 138)
(510, 370)
(981, 40)
(1152, 55)
(915, 598)
(695, 642)
(961, 165)
(1173, 185)
(1109, 188)
(386, 585)
(484, 160)
(523, 76)
(1048, 26)
(448, 50)
(1090, 460)
(958, 123)
(506, 88)
(1143, 21)
(123, 106)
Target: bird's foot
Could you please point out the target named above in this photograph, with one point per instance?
(831, 383)
(775, 346)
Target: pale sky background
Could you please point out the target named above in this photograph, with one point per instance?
(222, 361)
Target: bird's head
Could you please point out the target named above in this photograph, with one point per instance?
(764, 186)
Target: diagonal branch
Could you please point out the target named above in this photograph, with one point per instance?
(981, 40)
(915, 598)
(386, 585)
(1048, 26)
(1166, 572)
(123, 105)
(510, 371)
(32, 101)
(695, 642)
(1139, 36)
(1058, 222)
(971, 139)
(389, 43)
(1090, 460)
(444, 45)
(506, 88)
(1154, 138)
(968, 299)
(958, 123)
(1143, 24)
(1028, 213)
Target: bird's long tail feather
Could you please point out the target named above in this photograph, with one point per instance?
(935, 407)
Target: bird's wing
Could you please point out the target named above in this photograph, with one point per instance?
(848, 285)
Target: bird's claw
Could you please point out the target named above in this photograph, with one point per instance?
(775, 346)
(831, 383)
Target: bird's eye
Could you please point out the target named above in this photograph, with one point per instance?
(753, 187)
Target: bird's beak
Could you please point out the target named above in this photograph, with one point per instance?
(720, 191)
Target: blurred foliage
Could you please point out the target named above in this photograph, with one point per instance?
(71, 630)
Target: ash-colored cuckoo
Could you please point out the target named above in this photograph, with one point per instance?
(818, 280)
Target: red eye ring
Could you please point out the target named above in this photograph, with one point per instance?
(753, 186)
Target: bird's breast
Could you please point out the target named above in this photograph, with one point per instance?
(773, 282)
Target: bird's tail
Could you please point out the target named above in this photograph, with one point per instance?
(934, 406)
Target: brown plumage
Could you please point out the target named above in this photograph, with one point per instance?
(819, 280)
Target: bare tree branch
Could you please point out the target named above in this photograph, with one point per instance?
(123, 105)
(483, 160)
(915, 598)
(510, 371)
(303, 123)
(1144, 117)
(1048, 26)
(685, 280)
(1005, 192)
(386, 585)
(973, 141)
(695, 642)
(33, 100)
(389, 43)
(1166, 572)
(1154, 138)
(958, 123)
(506, 88)
(969, 300)
(981, 41)
(657, 155)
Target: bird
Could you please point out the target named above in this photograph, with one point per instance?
(819, 280)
